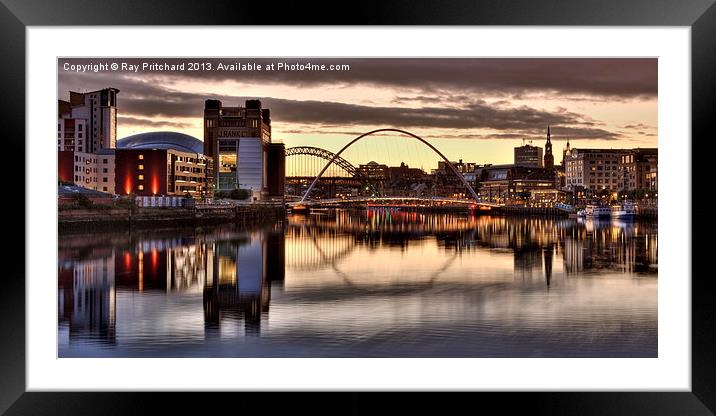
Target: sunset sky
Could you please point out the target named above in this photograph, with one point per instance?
(476, 109)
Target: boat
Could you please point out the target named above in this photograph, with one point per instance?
(625, 211)
(592, 211)
(564, 207)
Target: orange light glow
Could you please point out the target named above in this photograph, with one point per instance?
(155, 258)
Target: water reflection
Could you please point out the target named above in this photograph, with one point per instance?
(435, 285)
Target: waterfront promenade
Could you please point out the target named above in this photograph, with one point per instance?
(136, 217)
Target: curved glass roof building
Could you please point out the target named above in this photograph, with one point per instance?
(162, 140)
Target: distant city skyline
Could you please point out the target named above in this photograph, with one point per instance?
(475, 109)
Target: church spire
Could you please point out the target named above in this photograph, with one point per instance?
(548, 157)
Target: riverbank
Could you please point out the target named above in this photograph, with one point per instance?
(86, 219)
(529, 211)
(647, 213)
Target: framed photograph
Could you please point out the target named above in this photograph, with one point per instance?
(463, 199)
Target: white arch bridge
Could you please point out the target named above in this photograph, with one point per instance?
(339, 161)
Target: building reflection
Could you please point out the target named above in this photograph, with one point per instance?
(242, 274)
(537, 244)
(601, 245)
(232, 270)
(87, 299)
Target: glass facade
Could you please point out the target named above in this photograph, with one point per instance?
(227, 178)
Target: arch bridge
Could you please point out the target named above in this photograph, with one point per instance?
(326, 155)
(339, 161)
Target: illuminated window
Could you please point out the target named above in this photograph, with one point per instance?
(141, 177)
(141, 157)
(141, 167)
(140, 187)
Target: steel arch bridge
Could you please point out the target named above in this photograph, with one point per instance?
(327, 155)
(336, 156)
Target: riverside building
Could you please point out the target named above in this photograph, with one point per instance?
(88, 121)
(594, 169)
(528, 155)
(238, 139)
(639, 170)
(166, 172)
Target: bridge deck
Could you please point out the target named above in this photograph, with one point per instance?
(403, 199)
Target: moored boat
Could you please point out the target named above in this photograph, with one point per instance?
(592, 211)
(625, 211)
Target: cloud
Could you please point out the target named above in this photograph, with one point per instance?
(445, 98)
(135, 121)
(637, 126)
(427, 99)
(162, 103)
(598, 77)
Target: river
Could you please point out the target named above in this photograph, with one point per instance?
(366, 283)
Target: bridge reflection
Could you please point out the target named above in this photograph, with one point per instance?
(233, 273)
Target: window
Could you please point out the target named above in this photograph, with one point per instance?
(79, 127)
(104, 170)
(104, 160)
(104, 188)
(140, 177)
(141, 167)
(140, 187)
(141, 157)
(104, 179)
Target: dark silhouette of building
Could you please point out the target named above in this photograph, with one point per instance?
(528, 155)
(548, 157)
(276, 167)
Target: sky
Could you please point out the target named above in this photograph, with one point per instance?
(474, 109)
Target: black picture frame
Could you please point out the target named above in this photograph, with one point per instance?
(15, 15)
